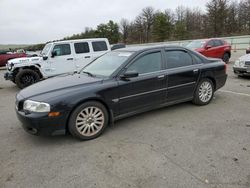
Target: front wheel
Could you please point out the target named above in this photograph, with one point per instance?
(88, 120)
(204, 92)
(26, 77)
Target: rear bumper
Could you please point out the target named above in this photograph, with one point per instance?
(41, 124)
(241, 70)
(220, 81)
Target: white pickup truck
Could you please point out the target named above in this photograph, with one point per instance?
(56, 58)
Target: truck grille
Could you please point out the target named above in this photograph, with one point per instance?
(247, 63)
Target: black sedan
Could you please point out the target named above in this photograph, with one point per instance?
(119, 84)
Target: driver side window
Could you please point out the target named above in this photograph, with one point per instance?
(62, 49)
(146, 64)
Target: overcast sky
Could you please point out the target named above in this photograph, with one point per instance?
(38, 21)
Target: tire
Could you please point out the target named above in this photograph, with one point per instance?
(226, 57)
(88, 120)
(204, 92)
(26, 77)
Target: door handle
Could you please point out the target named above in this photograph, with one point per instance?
(195, 70)
(70, 59)
(161, 77)
(87, 57)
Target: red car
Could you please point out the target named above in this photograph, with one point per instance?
(5, 56)
(216, 48)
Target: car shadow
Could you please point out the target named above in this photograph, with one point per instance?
(150, 114)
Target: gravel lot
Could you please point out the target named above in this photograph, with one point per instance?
(180, 146)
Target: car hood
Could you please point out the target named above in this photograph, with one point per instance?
(25, 60)
(63, 82)
(245, 57)
(198, 49)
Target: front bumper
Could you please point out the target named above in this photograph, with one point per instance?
(8, 76)
(41, 124)
(241, 70)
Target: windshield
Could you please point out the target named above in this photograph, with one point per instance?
(106, 64)
(46, 49)
(196, 44)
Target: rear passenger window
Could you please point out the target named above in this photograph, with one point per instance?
(146, 64)
(82, 47)
(99, 46)
(62, 49)
(177, 58)
(197, 60)
(218, 42)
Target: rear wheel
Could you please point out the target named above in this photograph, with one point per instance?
(88, 120)
(26, 77)
(226, 57)
(204, 92)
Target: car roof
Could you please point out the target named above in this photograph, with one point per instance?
(147, 47)
(80, 40)
(207, 39)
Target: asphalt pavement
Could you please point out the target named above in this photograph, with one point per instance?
(181, 146)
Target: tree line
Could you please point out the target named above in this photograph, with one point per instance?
(220, 18)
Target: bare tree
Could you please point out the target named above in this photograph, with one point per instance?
(124, 27)
(148, 19)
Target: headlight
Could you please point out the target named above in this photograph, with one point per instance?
(34, 106)
(237, 63)
(9, 66)
(242, 63)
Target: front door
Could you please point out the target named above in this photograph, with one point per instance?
(148, 88)
(211, 51)
(62, 60)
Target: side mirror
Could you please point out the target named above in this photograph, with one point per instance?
(53, 54)
(129, 74)
(208, 46)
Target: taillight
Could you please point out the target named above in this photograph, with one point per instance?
(225, 67)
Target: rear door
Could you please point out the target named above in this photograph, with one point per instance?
(83, 54)
(182, 75)
(146, 90)
(63, 61)
(99, 48)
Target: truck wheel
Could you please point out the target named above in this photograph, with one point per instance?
(204, 92)
(226, 57)
(88, 120)
(26, 77)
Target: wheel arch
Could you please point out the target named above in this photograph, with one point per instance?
(213, 81)
(209, 75)
(228, 52)
(95, 99)
(35, 67)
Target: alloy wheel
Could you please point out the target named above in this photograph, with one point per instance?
(205, 91)
(90, 121)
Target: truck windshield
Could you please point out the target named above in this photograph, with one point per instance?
(106, 64)
(46, 50)
(196, 44)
